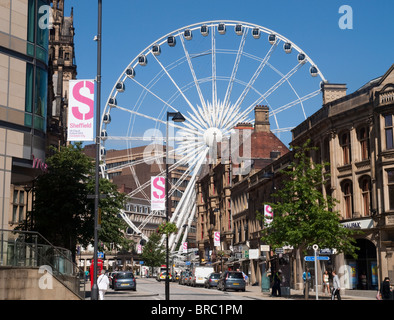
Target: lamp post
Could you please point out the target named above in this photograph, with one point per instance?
(176, 117)
(94, 293)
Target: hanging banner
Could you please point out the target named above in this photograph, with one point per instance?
(139, 249)
(268, 214)
(184, 246)
(158, 192)
(216, 239)
(80, 110)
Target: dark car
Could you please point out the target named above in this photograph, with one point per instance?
(184, 276)
(212, 280)
(231, 280)
(124, 280)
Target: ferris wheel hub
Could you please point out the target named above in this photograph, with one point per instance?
(212, 136)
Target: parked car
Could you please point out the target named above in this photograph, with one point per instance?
(124, 280)
(184, 275)
(188, 279)
(200, 274)
(111, 277)
(231, 280)
(162, 276)
(212, 280)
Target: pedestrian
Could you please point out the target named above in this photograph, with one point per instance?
(306, 276)
(326, 283)
(276, 291)
(385, 289)
(336, 290)
(102, 283)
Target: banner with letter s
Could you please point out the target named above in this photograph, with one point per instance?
(80, 110)
(158, 192)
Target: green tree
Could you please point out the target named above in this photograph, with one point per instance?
(302, 215)
(62, 211)
(113, 228)
(153, 253)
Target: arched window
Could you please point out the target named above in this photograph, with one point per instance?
(346, 148)
(365, 185)
(364, 143)
(347, 190)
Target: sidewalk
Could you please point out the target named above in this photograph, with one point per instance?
(256, 293)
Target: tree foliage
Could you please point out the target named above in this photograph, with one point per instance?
(153, 254)
(62, 211)
(302, 215)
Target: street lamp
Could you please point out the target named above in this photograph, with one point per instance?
(94, 292)
(176, 117)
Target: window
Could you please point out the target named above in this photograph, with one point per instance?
(390, 178)
(364, 143)
(388, 128)
(348, 199)
(346, 148)
(366, 195)
(18, 206)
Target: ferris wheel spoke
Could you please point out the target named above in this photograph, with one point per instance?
(272, 89)
(233, 73)
(295, 102)
(189, 61)
(155, 95)
(214, 89)
(257, 73)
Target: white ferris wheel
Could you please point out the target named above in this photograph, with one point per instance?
(214, 73)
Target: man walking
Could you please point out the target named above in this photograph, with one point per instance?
(102, 283)
(336, 287)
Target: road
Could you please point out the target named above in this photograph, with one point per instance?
(151, 289)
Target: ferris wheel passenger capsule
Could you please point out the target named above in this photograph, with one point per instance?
(287, 47)
(130, 72)
(301, 58)
(238, 29)
(313, 71)
(142, 60)
(103, 152)
(256, 33)
(188, 34)
(112, 102)
(272, 38)
(204, 30)
(120, 87)
(171, 41)
(156, 49)
(222, 28)
(104, 135)
(107, 118)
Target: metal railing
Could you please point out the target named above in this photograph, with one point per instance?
(31, 249)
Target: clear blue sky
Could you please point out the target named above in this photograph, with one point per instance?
(344, 56)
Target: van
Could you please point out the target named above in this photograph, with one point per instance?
(200, 274)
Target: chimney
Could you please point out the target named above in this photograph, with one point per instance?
(333, 91)
(261, 115)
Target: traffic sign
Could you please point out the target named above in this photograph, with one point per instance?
(312, 258)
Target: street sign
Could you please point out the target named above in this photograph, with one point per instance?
(312, 258)
(100, 255)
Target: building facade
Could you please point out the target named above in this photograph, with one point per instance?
(23, 105)
(62, 68)
(222, 201)
(354, 134)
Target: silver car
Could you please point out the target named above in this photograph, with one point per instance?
(231, 280)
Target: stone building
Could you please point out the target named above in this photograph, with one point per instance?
(354, 132)
(62, 68)
(218, 210)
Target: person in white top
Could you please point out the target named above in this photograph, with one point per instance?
(102, 283)
(326, 283)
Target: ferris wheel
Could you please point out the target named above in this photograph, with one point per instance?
(214, 73)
